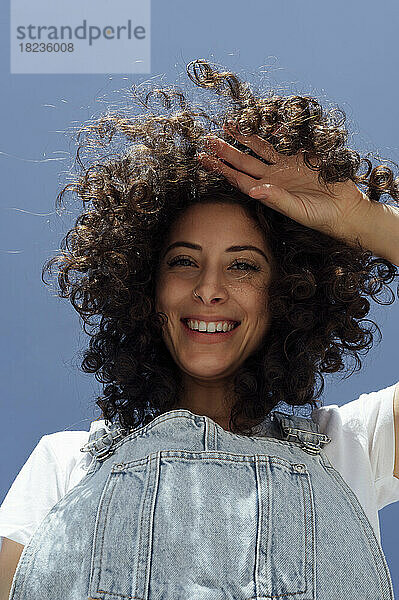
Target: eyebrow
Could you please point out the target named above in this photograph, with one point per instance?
(230, 249)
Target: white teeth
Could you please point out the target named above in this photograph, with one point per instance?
(211, 327)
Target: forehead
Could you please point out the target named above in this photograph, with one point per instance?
(217, 220)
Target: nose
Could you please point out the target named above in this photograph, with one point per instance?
(210, 288)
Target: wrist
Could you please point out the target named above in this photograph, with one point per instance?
(376, 227)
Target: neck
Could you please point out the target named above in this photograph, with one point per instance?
(212, 399)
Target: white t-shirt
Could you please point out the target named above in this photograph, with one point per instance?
(362, 449)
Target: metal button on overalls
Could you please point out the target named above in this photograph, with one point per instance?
(181, 509)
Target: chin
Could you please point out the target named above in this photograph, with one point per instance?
(208, 371)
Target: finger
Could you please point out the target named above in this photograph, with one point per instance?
(282, 201)
(241, 161)
(240, 180)
(255, 143)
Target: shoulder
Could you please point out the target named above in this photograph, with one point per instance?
(57, 457)
(54, 466)
(362, 415)
(65, 446)
(60, 442)
(71, 437)
(362, 444)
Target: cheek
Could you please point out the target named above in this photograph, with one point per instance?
(160, 296)
(256, 297)
(260, 310)
(168, 294)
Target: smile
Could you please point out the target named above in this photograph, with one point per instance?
(206, 337)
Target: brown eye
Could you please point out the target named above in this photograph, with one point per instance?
(248, 266)
(178, 261)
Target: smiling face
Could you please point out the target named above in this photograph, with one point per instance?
(230, 285)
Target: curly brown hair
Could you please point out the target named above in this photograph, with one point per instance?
(317, 296)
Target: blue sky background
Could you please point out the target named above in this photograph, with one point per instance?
(345, 53)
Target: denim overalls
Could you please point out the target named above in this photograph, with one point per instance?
(181, 509)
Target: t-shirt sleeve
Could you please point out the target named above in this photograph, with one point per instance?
(375, 411)
(39, 485)
(379, 425)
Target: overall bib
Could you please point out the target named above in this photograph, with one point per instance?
(181, 509)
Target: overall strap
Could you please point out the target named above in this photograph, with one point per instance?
(101, 441)
(293, 428)
(301, 429)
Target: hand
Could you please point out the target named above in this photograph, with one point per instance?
(288, 186)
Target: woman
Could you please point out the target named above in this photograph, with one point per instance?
(218, 304)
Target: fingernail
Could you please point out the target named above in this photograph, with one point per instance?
(260, 190)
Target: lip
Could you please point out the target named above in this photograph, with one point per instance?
(208, 338)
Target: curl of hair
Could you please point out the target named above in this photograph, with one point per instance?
(108, 261)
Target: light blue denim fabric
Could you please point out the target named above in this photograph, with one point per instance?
(181, 509)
